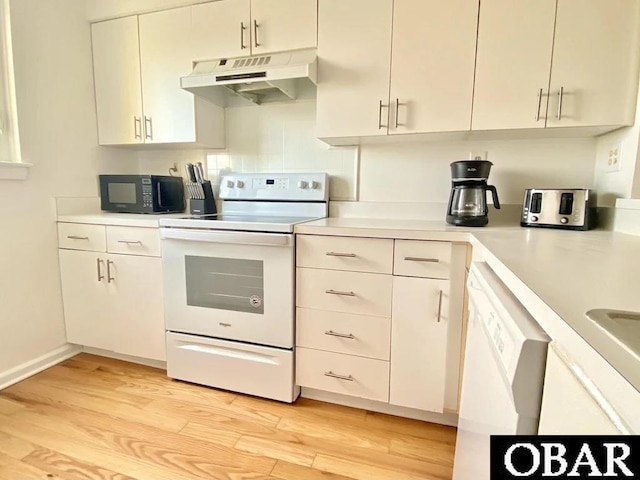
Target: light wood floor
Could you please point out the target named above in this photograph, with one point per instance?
(92, 417)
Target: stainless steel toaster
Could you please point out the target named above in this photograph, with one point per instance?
(571, 209)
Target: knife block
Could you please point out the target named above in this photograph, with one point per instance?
(205, 204)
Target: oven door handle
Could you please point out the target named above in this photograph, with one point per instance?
(238, 238)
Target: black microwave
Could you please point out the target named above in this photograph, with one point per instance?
(141, 193)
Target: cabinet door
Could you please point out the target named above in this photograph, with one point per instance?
(221, 29)
(433, 90)
(354, 60)
(136, 290)
(419, 342)
(595, 63)
(165, 57)
(87, 307)
(279, 25)
(116, 66)
(515, 40)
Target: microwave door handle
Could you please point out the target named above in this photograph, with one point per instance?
(159, 192)
(494, 194)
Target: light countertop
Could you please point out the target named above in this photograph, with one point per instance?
(571, 272)
(120, 219)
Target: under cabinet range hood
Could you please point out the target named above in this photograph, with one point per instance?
(257, 79)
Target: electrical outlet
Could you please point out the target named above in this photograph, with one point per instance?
(476, 155)
(614, 158)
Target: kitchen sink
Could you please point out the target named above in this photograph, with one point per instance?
(623, 326)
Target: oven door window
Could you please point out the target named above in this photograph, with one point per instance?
(225, 283)
(122, 193)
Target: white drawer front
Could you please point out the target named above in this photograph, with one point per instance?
(252, 369)
(422, 259)
(349, 292)
(134, 241)
(78, 236)
(345, 374)
(373, 255)
(360, 335)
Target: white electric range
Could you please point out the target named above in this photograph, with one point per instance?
(229, 284)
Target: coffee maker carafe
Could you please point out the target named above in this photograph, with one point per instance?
(468, 200)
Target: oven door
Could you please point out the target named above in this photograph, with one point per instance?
(229, 285)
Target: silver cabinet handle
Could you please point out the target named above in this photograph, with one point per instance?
(338, 292)
(331, 333)
(380, 107)
(99, 263)
(539, 105)
(76, 237)
(397, 112)
(440, 306)
(255, 33)
(109, 277)
(560, 95)
(338, 254)
(421, 259)
(148, 128)
(242, 29)
(340, 377)
(137, 127)
(130, 242)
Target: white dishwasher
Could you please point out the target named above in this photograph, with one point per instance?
(503, 375)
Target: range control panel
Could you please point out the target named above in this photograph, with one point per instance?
(295, 187)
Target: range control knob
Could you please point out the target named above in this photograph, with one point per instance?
(313, 185)
(303, 184)
(230, 184)
(240, 184)
(564, 220)
(534, 218)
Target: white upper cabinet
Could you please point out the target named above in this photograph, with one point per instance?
(116, 63)
(556, 63)
(432, 62)
(278, 25)
(221, 29)
(398, 67)
(138, 62)
(237, 28)
(594, 73)
(515, 41)
(354, 63)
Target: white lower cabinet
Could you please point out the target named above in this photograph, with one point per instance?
(114, 301)
(393, 338)
(419, 343)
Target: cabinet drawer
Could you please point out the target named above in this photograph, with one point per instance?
(134, 241)
(345, 374)
(373, 255)
(78, 236)
(422, 259)
(346, 333)
(349, 292)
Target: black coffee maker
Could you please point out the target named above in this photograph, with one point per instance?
(468, 200)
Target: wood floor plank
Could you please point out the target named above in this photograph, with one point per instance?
(12, 469)
(290, 471)
(218, 436)
(8, 406)
(416, 428)
(69, 468)
(15, 447)
(266, 448)
(363, 471)
(424, 449)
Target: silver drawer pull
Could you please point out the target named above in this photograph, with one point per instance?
(337, 292)
(440, 306)
(341, 335)
(340, 377)
(421, 259)
(338, 254)
(75, 237)
(130, 242)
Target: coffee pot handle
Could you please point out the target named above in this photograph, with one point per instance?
(494, 194)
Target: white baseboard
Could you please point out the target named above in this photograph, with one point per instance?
(126, 358)
(37, 365)
(380, 407)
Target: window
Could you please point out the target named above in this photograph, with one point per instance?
(11, 166)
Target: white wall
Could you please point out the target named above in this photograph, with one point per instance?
(54, 88)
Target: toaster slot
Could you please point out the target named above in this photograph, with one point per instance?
(536, 203)
(566, 204)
